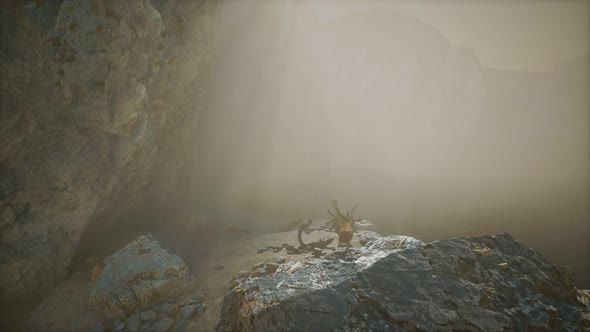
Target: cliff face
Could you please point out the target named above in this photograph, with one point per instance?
(99, 106)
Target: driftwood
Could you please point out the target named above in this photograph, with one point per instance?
(343, 223)
(321, 244)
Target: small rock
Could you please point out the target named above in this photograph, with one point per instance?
(164, 324)
(295, 267)
(503, 266)
(148, 316)
(368, 237)
(201, 309)
(281, 260)
(168, 309)
(187, 311)
(198, 296)
(148, 327)
(261, 250)
(133, 323)
(244, 274)
(235, 283)
(259, 265)
(271, 268)
(483, 252)
(259, 272)
(120, 327)
(317, 252)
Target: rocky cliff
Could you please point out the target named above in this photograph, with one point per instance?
(99, 102)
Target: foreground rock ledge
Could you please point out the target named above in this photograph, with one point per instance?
(490, 283)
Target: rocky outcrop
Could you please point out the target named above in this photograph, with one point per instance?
(145, 286)
(99, 102)
(396, 283)
(136, 277)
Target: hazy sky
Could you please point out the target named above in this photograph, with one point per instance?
(518, 35)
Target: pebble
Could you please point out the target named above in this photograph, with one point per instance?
(259, 272)
(169, 309)
(281, 260)
(503, 266)
(259, 265)
(244, 274)
(198, 296)
(295, 267)
(235, 283)
(187, 311)
(120, 327)
(164, 324)
(201, 309)
(148, 316)
(271, 268)
(133, 323)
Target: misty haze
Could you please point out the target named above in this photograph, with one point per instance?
(215, 128)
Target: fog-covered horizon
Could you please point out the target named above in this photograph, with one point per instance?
(378, 108)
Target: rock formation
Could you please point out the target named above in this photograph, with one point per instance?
(99, 101)
(143, 282)
(398, 283)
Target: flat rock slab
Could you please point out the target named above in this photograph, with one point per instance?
(137, 277)
(401, 284)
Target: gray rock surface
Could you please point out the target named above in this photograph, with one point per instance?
(368, 237)
(99, 101)
(137, 277)
(399, 283)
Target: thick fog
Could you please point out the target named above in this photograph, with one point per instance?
(376, 107)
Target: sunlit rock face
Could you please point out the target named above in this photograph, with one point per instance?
(99, 104)
(490, 283)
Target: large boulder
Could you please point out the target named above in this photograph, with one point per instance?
(138, 277)
(490, 283)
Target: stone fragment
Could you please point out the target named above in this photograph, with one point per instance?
(503, 266)
(270, 268)
(120, 327)
(235, 283)
(280, 260)
(168, 309)
(244, 274)
(259, 265)
(258, 272)
(187, 311)
(164, 324)
(148, 315)
(133, 323)
(201, 309)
